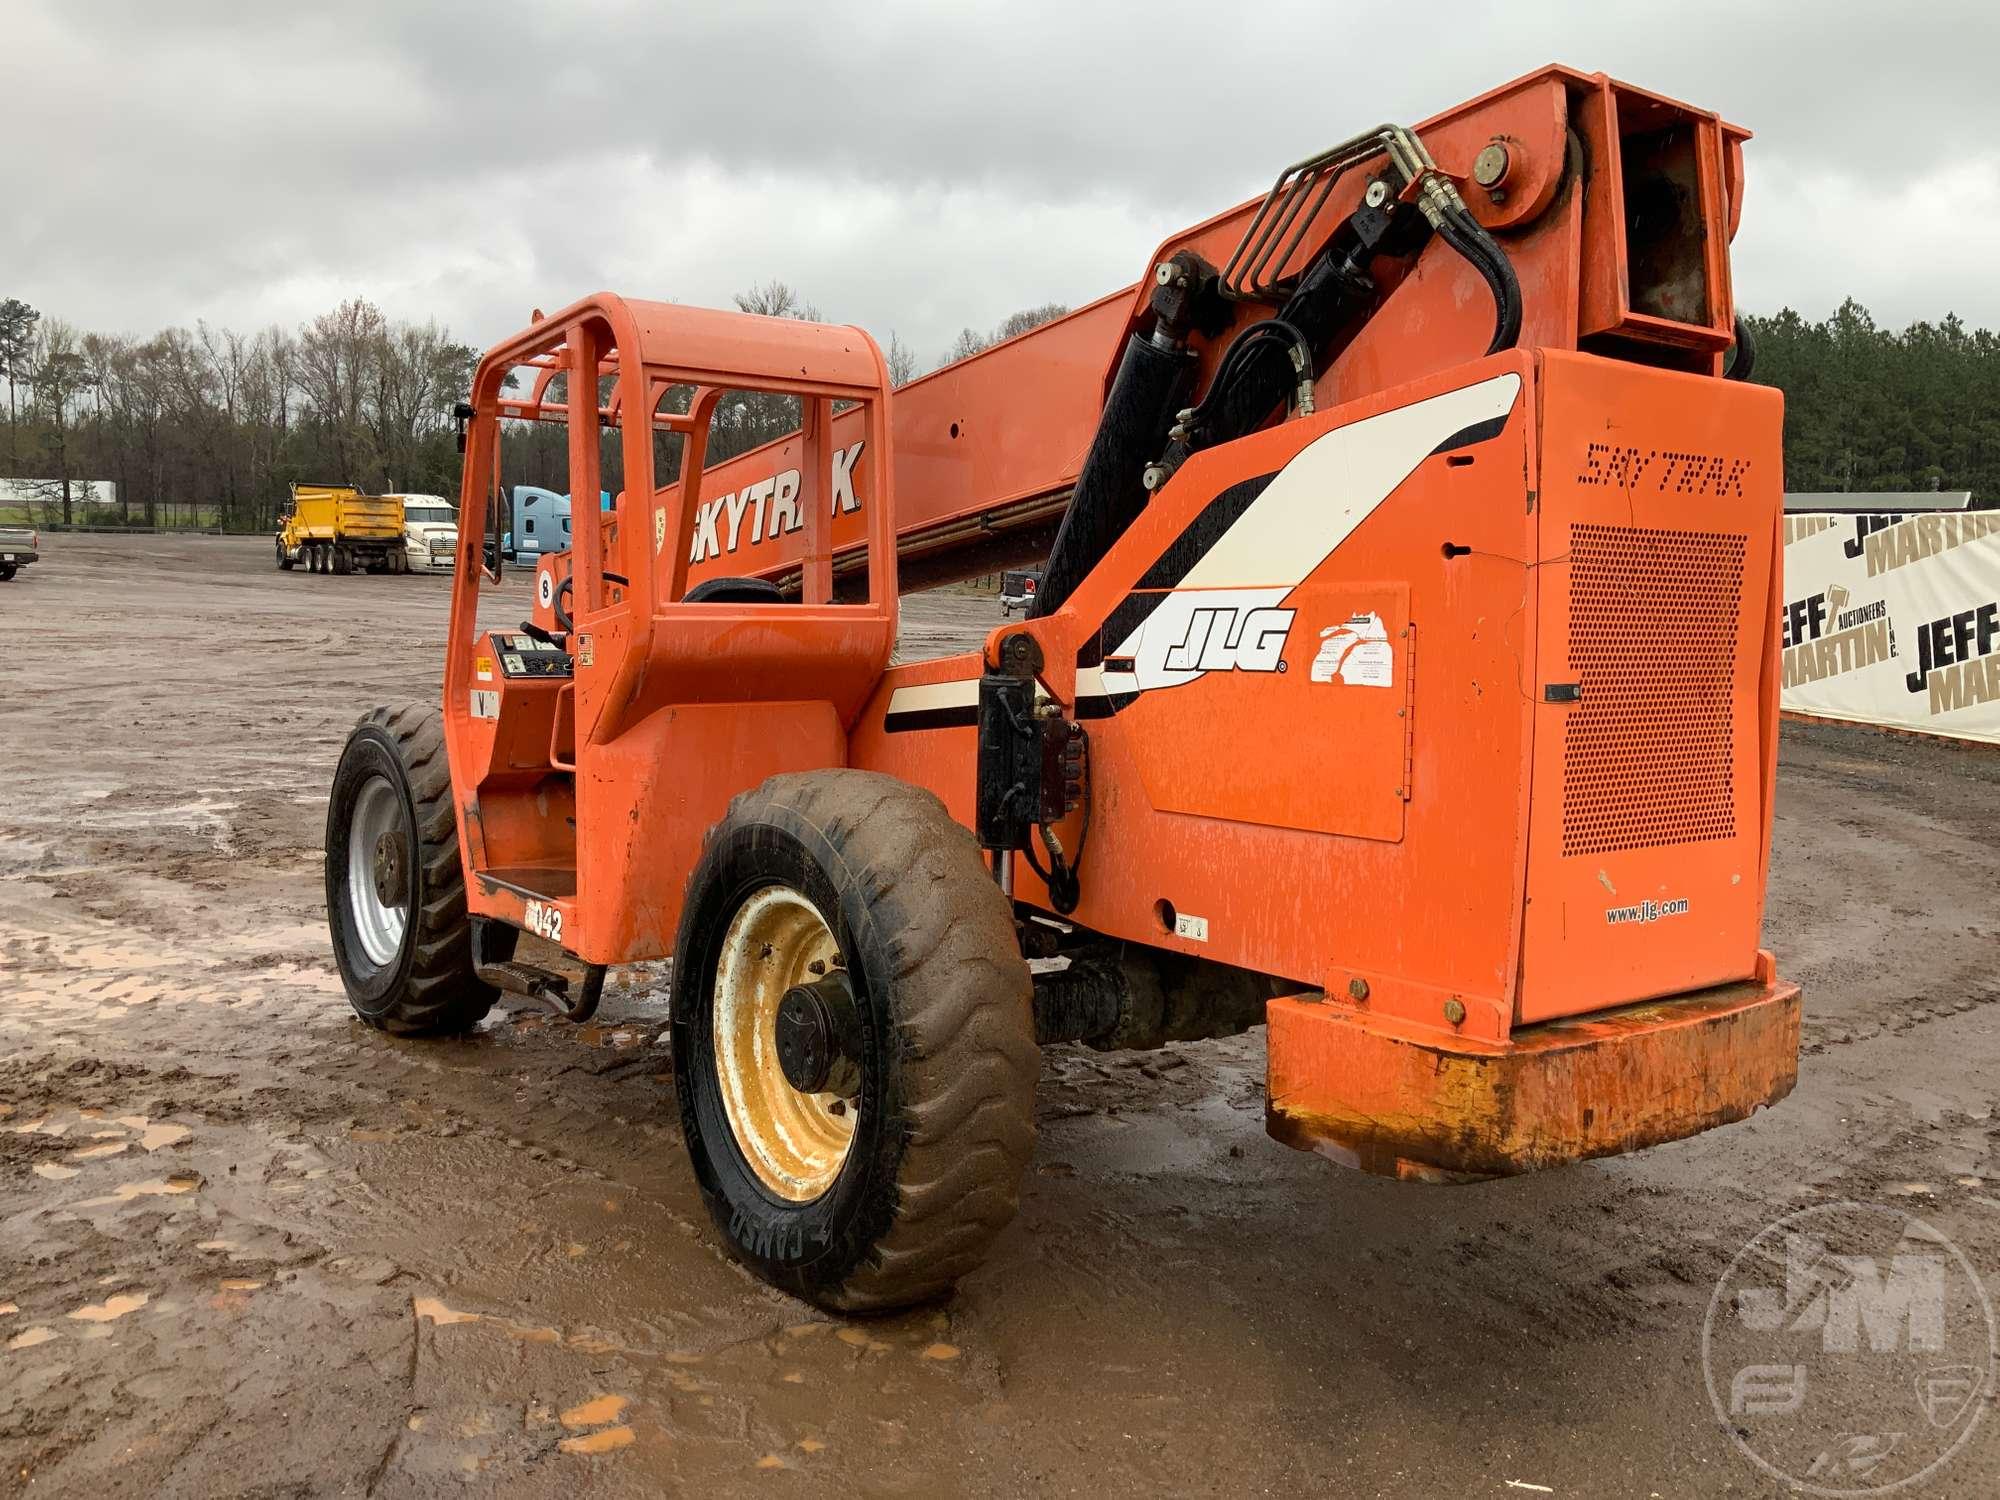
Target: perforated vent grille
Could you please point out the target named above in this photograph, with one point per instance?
(1647, 750)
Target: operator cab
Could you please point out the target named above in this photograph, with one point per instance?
(562, 727)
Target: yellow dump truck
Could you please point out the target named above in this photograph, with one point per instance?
(334, 528)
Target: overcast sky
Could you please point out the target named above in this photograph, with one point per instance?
(908, 167)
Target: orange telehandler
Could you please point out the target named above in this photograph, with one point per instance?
(1402, 678)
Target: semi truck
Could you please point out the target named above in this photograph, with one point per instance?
(334, 528)
(430, 533)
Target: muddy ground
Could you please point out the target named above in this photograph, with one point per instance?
(248, 1247)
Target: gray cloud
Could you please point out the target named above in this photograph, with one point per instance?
(910, 167)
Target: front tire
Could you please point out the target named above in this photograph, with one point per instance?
(395, 888)
(861, 881)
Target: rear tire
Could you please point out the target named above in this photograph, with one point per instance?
(395, 888)
(942, 1031)
(7, 571)
(343, 562)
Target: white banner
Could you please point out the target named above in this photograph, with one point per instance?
(1894, 620)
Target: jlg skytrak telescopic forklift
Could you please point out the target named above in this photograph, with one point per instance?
(1402, 678)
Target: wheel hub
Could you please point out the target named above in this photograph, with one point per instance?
(784, 1017)
(391, 870)
(819, 1043)
(379, 871)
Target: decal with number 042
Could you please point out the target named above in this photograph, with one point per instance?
(545, 921)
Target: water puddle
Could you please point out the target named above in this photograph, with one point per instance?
(595, 1412)
(597, 1442)
(112, 1308)
(152, 1137)
(30, 1337)
(438, 1313)
(154, 1187)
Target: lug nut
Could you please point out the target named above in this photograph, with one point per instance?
(1358, 988)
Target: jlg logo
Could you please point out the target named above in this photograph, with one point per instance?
(1210, 630)
(1229, 640)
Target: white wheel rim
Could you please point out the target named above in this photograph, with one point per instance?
(795, 1142)
(378, 812)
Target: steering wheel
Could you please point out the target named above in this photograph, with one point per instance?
(567, 586)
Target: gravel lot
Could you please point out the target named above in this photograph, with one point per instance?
(248, 1247)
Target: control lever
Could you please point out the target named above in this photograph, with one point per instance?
(547, 637)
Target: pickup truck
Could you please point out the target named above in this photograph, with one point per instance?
(19, 546)
(1017, 589)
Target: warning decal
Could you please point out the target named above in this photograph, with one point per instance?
(1356, 653)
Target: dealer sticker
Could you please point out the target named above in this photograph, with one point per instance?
(1357, 653)
(482, 668)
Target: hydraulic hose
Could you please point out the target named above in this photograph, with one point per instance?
(1235, 360)
(1458, 229)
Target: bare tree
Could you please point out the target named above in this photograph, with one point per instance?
(748, 419)
(971, 341)
(777, 299)
(901, 359)
(1029, 317)
(339, 354)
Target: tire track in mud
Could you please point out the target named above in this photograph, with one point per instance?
(481, 1264)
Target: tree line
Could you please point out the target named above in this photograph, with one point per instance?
(209, 426)
(1873, 408)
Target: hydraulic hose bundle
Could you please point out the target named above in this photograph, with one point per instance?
(1146, 432)
(1458, 229)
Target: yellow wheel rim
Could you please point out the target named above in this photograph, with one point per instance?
(795, 1142)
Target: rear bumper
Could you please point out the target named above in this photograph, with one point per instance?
(1406, 1103)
